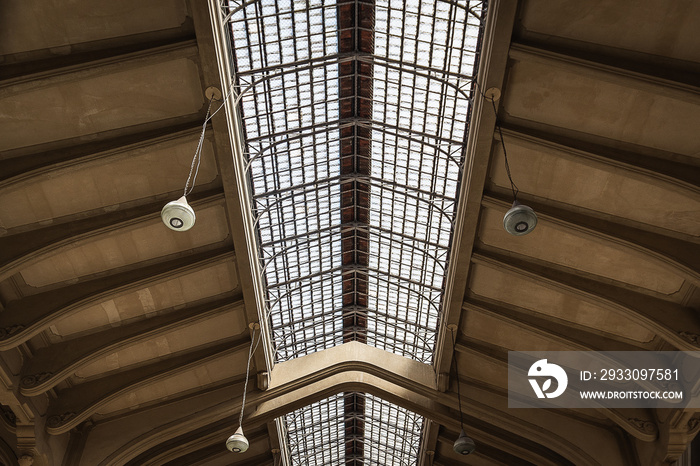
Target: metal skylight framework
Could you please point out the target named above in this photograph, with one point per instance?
(355, 118)
(318, 433)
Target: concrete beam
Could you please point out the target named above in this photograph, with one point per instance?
(140, 140)
(679, 255)
(76, 404)
(113, 64)
(51, 365)
(24, 318)
(613, 74)
(25, 249)
(674, 323)
(666, 168)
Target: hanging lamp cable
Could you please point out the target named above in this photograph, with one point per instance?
(513, 186)
(454, 361)
(253, 347)
(197, 158)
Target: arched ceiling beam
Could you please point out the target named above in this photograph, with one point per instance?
(357, 367)
(76, 404)
(606, 232)
(37, 62)
(24, 318)
(185, 414)
(206, 442)
(575, 336)
(26, 169)
(681, 256)
(625, 77)
(55, 363)
(426, 405)
(22, 250)
(676, 324)
(100, 67)
(366, 373)
(23, 160)
(668, 163)
(639, 423)
(663, 170)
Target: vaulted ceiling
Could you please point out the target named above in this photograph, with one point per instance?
(124, 342)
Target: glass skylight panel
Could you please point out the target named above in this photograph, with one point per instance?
(290, 109)
(289, 70)
(392, 433)
(316, 433)
(420, 109)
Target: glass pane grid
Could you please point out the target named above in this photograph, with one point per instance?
(290, 107)
(316, 433)
(417, 155)
(392, 433)
(287, 54)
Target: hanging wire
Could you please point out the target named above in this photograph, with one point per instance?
(513, 186)
(197, 158)
(253, 347)
(198, 151)
(454, 360)
(505, 154)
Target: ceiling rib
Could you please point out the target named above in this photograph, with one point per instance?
(42, 372)
(78, 403)
(673, 322)
(18, 251)
(584, 337)
(604, 72)
(26, 317)
(677, 254)
(356, 26)
(185, 49)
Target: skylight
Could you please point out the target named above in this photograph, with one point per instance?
(355, 117)
(318, 433)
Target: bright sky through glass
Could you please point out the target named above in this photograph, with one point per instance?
(287, 52)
